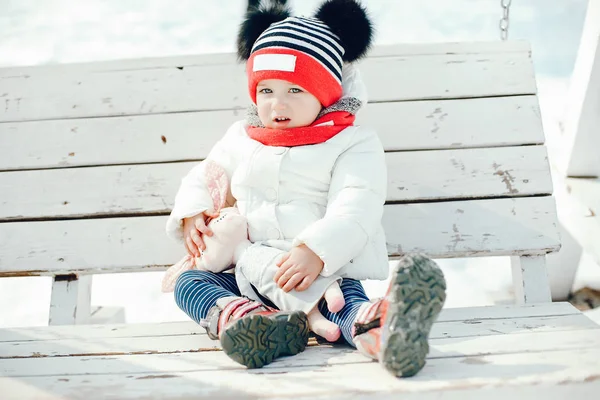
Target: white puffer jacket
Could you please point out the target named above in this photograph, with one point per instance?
(328, 196)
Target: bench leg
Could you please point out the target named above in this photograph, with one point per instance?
(530, 279)
(70, 300)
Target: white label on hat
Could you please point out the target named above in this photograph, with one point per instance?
(274, 62)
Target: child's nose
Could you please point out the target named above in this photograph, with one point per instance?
(279, 103)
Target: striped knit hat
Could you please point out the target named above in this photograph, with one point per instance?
(306, 51)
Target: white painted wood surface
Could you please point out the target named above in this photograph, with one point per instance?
(408, 49)
(168, 337)
(466, 228)
(580, 213)
(83, 93)
(582, 118)
(435, 124)
(484, 359)
(70, 302)
(438, 379)
(530, 279)
(180, 337)
(457, 342)
(478, 320)
(579, 226)
(447, 229)
(144, 189)
(587, 191)
(97, 359)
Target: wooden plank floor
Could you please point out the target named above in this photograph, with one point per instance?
(543, 351)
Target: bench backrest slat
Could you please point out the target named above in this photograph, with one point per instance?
(447, 229)
(55, 94)
(418, 125)
(150, 189)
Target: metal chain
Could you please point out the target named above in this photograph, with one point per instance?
(505, 19)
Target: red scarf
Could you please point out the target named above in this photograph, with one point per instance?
(335, 121)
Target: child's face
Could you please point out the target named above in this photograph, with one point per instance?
(282, 104)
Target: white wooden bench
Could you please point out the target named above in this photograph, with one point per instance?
(91, 158)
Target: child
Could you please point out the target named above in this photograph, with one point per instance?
(312, 187)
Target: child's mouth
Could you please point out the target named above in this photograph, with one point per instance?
(281, 121)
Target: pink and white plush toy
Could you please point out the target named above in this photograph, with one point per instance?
(229, 241)
(230, 233)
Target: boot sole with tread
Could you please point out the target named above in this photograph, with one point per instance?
(415, 299)
(256, 340)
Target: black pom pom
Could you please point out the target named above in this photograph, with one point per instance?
(349, 20)
(255, 23)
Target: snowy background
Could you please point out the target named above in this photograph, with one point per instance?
(35, 32)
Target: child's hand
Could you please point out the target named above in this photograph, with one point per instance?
(193, 229)
(298, 269)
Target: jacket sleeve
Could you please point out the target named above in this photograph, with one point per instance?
(193, 197)
(356, 198)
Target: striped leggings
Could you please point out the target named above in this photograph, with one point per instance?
(197, 291)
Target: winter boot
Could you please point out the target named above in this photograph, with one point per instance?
(254, 334)
(395, 330)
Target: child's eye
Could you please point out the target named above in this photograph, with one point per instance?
(265, 91)
(295, 90)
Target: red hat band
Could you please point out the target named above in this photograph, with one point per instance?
(296, 67)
